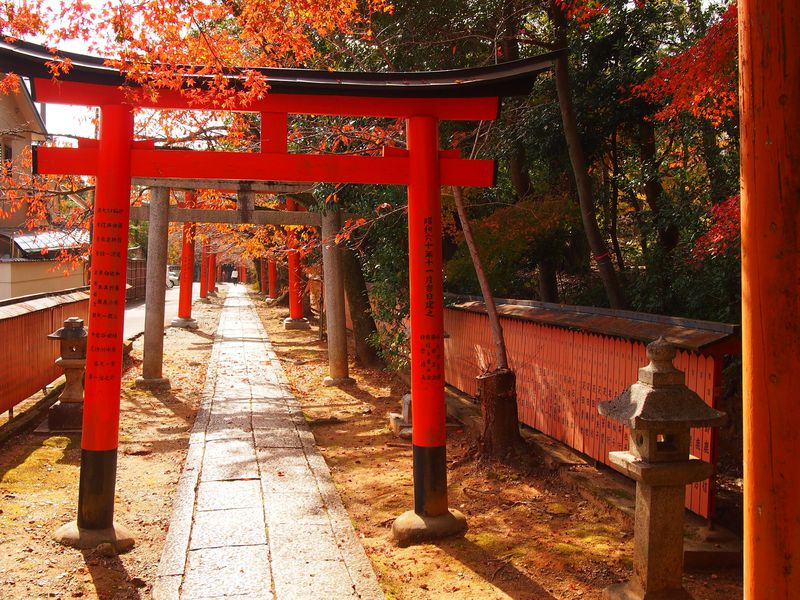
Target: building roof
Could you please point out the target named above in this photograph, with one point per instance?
(39, 132)
(504, 79)
(27, 114)
(38, 241)
(20, 305)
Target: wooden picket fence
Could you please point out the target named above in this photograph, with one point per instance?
(568, 359)
(27, 357)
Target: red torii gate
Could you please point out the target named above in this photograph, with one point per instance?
(423, 99)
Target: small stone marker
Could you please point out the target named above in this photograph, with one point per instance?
(401, 422)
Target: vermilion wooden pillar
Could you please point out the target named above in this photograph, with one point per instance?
(187, 272)
(769, 86)
(295, 320)
(204, 269)
(211, 284)
(272, 276)
(100, 438)
(430, 517)
(262, 266)
(243, 271)
(295, 285)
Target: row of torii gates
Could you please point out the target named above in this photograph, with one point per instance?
(159, 213)
(769, 65)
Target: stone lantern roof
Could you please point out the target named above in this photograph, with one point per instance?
(73, 329)
(660, 399)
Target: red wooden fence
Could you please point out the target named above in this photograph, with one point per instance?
(567, 359)
(27, 357)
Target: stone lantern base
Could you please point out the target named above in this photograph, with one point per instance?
(65, 416)
(630, 591)
(296, 324)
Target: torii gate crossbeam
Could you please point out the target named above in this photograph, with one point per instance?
(159, 213)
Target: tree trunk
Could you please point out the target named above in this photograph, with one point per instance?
(509, 27)
(615, 201)
(520, 179)
(548, 284)
(712, 157)
(497, 389)
(360, 310)
(578, 159)
(653, 191)
(640, 225)
(500, 355)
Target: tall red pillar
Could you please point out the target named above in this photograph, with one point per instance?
(272, 276)
(262, 266)
(295, 320)
(211, 284)
(204, 269)
(243, 271)
(187, 272)
(769, 90)
(100, 435)
(430, 517)
(295, 285)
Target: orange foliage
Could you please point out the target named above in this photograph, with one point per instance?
(724, 233)
(195, 47)
(700, 81)
(48, 202)
(582, 11)
(174, 44)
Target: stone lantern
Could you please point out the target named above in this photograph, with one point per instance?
(67, 413)
(659, 410)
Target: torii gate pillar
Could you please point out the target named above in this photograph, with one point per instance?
(431, 517)
(204, 270)
(262, 275)
(769, 84)
(272, 276)
(296, 319)
(184, 318)
(211, 271)
(338, 372)
(157, 240)
(100, 433)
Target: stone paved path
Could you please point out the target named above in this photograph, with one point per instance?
(257, 514)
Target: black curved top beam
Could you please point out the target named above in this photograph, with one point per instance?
(513, 78)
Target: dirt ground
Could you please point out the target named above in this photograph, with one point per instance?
(39, 483)
(530, 536)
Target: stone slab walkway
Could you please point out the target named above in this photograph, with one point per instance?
(257, 514)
